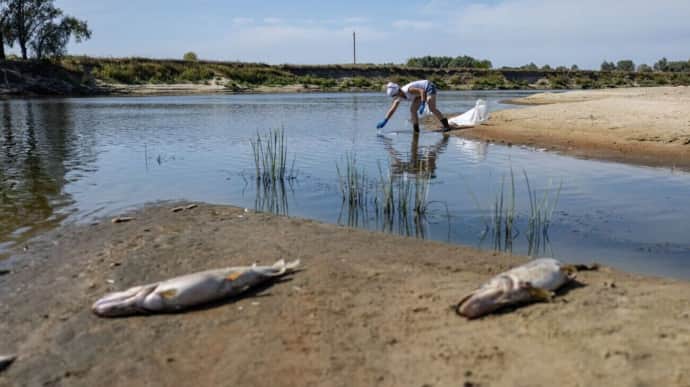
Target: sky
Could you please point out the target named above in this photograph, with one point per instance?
(507, 32)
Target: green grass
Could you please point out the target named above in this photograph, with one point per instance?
(270, 157)
(539, 217)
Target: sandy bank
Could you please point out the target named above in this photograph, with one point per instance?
(368, 309)
(648, 126)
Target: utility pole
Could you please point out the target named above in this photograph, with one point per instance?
(354, 48)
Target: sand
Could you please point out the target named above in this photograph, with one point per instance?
(368, 309)
(647, 126)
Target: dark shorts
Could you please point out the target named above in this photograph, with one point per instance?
(431, 89)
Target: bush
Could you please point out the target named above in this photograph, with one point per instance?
(190, 57)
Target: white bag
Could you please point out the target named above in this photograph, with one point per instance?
(478, 115)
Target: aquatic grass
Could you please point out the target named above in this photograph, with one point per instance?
(500, 223)
(272, 198)
(539, 217)
(395, 203)
(269, 151)
(353, 182)
(422, 183)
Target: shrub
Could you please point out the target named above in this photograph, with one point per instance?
(190, 57)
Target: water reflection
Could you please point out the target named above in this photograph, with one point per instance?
(398, 201)
(425, 156)
(37, 142)
(272, 196)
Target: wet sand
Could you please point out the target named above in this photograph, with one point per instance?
(647, 126)
(368, 309)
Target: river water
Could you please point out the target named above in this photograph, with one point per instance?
(73, 160)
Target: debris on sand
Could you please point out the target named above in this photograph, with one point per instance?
(6, 361)
(122, 219)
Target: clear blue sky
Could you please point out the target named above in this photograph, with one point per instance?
(508, 32)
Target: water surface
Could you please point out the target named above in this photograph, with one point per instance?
(71, 160)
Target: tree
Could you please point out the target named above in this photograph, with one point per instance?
(625, 65)
(35, 24)
(574, 67)
(608, 66)
(546, 67)
(661, 65)
(190, 57)
(530, 66)
(644, 68)
(5, 31)
(52, 38)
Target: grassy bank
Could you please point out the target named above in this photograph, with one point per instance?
(240, 77)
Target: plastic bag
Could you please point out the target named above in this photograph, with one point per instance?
(475, 116)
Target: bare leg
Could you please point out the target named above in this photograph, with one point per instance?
(432, 106)
(414, 106)
(437, 113)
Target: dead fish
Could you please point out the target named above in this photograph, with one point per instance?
(6, 361)
(190, 290)
(534, 281)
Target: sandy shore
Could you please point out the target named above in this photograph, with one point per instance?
(368, 309)
(648, 126)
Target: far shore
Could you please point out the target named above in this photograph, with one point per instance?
(646, 126)
(366, 309)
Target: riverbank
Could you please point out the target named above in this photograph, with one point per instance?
(647, 126)
(368, 309)
(78, 76)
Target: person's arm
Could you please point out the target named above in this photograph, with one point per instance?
(392, 109)
(389, 114)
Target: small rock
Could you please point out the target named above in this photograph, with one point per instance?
(420, 309)
(109, 281)
(255, 303)
(6, 361)
(177, 209)
(191, 206)
(246, 210)
(5, 271)
(122, 219)
(115, 264)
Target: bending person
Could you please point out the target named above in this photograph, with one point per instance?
(419, 93)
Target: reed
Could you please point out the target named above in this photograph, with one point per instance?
(353, 182)
(270, 156)
(539, 216)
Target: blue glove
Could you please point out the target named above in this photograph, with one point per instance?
(382, 123)
(421, 108)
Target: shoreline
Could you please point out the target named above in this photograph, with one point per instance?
(643, 126)
(367, 309)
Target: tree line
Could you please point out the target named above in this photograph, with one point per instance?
(38, 28)
(662, 64)
(447, 61)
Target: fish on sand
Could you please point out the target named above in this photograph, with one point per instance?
(534, 281)
(190, 290)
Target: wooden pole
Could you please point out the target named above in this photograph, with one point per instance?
(354, 48)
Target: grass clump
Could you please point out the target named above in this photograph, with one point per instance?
(270, 157)
(539, 217)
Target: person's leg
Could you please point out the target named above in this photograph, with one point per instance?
(414, 106)
(437, 113)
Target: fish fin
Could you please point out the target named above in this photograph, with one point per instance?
(233, 276)
(570, 271)
(292, 265)
(168, 294)
(539, 294)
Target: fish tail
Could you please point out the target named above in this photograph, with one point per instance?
(280, 267)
